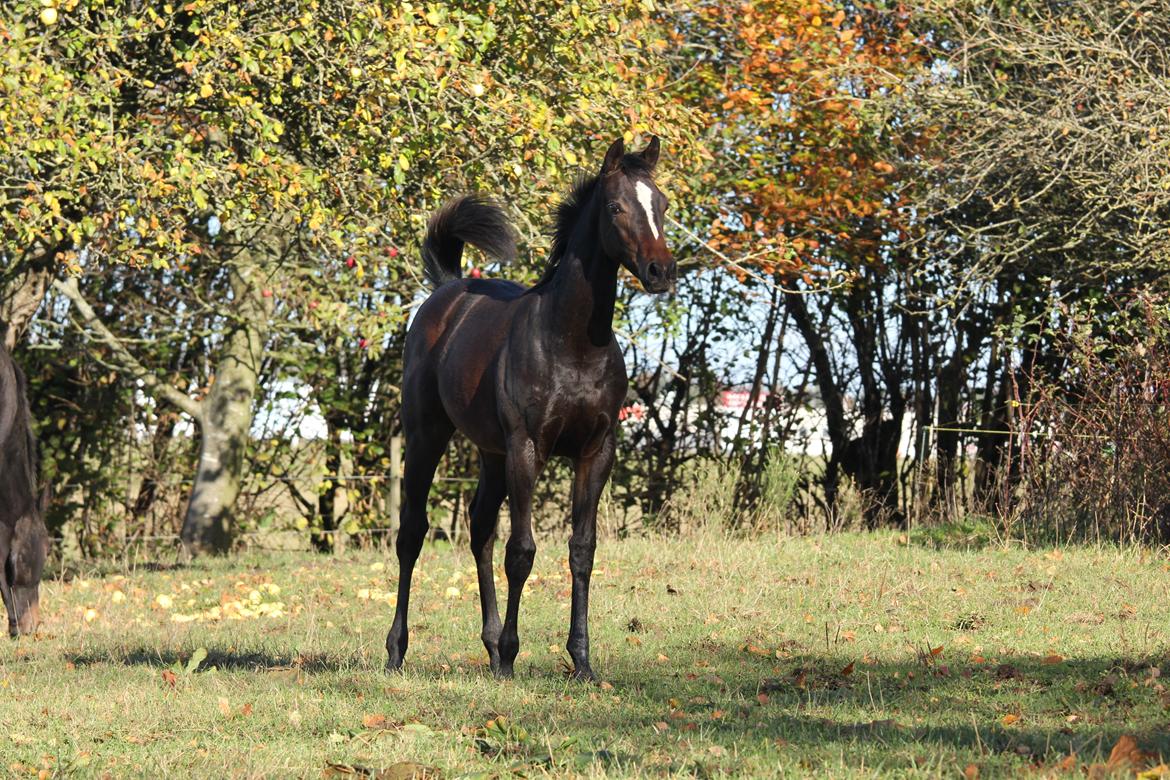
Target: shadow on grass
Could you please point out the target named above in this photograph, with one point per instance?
(58, 571)
(928, 713)
(1030, 708)
(923, 713)
(310, 663)
(970, 533)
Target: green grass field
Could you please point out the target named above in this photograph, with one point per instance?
(842, 656)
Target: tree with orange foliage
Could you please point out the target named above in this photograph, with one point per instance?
(809, 200)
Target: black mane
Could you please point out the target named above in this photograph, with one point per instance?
(572, 208)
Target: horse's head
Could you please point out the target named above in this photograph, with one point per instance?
(23, 568)
(631, 216)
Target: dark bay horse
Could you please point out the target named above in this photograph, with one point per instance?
(23, 538)
(526, 374)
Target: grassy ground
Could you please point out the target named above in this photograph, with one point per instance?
(851, 655)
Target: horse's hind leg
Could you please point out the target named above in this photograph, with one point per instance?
(426, 441)
(485, 514)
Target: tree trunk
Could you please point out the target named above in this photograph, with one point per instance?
(831, 396)
(21, 291)
(326, 538)
(225, 422)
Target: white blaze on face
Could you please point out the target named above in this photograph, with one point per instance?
(646, 198)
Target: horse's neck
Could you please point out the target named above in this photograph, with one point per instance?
(581, 299)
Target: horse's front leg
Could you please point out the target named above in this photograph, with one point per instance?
(5, 585)
(590, 478)
(485, 513)
(522, 467)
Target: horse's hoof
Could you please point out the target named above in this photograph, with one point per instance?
(394, 664)
(584, 675)
(505, 673)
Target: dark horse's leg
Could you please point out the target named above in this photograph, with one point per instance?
(588, 482)
(485, 514)
(522, 469)
(5, 588)
(427, 430)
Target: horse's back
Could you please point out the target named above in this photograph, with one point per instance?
(452, 349)
(450, 306)
(11, 394)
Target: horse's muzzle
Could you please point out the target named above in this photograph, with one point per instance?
(658, 277)
(28, 621)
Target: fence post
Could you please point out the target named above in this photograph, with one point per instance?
(395, 482)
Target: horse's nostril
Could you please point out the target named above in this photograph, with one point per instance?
(654, 271)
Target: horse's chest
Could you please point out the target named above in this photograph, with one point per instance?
(569, 409)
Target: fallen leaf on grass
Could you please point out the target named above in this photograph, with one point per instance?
(169, 677)
(848, 670)
(1126, 754)
(971, 772)
(1009, 719)
(379, 722)
(225, 708)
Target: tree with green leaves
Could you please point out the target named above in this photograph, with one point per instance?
(282, 157)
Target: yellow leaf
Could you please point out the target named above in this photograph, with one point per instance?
(206, 91)
(1008, 720)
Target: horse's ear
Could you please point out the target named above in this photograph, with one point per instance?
(650, 153)
(613, 157)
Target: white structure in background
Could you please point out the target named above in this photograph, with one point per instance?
(809, 435)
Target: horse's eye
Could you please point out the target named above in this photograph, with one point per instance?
(615, 208)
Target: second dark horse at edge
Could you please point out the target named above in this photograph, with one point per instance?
(526, 374)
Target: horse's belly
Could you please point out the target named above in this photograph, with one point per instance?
(466, 388)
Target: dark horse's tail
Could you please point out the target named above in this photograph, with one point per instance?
(470, 219)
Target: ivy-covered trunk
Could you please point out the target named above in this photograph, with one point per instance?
(22, 288)
(225, 421)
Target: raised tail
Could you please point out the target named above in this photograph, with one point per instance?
(469, 219)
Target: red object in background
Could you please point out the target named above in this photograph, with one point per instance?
(350, 262)
(266, 293)
(632, 412)
(313, 304)
(734, 399)
(474, 273)
(363, 343)
(392, 251)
